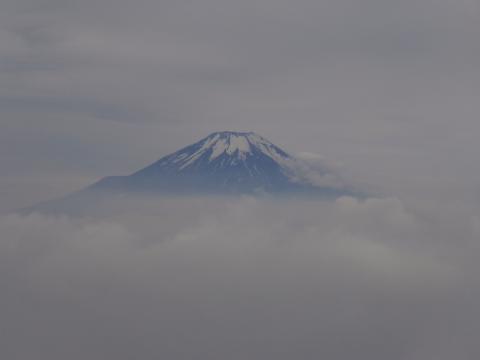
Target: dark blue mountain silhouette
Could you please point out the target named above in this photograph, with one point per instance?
(222, 163)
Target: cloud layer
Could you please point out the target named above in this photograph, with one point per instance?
(240, 278)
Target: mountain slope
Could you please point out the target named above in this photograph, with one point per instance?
(223, 162)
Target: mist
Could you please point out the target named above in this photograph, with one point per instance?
(236, 278)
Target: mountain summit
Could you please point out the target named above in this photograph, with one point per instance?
(227, 163)
(222, 163)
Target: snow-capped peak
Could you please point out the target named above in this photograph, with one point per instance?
(225, 163)
(229, 161)
(237, 146)
(230, 144)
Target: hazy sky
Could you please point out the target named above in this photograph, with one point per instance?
(389, 89)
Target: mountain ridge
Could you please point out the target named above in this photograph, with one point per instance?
(222, 163)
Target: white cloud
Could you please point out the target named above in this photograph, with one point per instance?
(316, 170)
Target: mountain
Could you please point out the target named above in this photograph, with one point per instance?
(222, 163)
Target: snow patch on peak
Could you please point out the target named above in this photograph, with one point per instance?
(230, 143)
(239, 143)
(210, 141)
(218, 149)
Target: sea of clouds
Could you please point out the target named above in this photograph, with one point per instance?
(241, 278)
